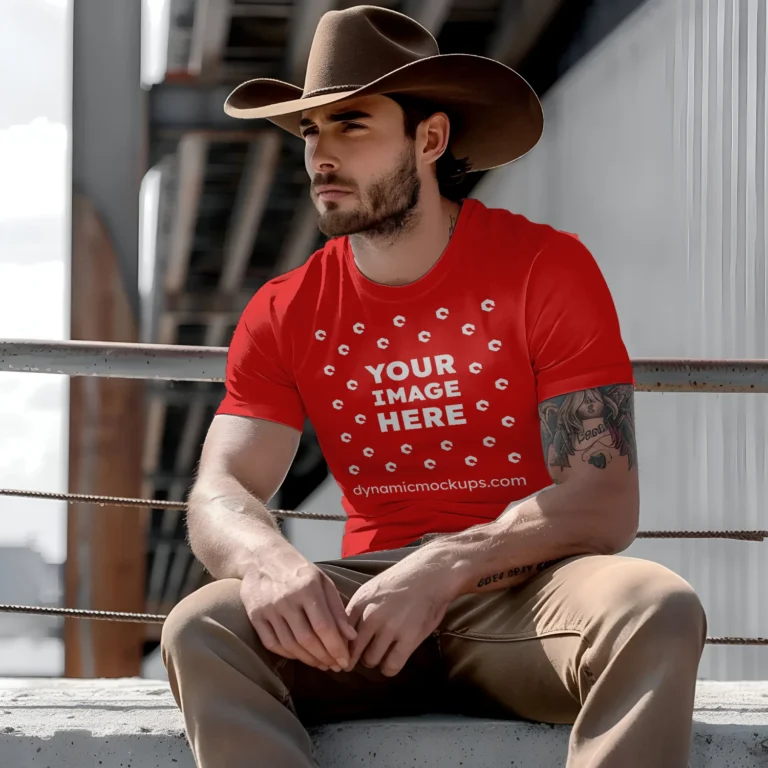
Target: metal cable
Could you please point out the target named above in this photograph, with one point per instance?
(81, 613)
(116, 501)
(154, 618)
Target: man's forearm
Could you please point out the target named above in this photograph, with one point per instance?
(559, 522)
(229, 528)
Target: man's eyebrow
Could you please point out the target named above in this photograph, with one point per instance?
(338, 117)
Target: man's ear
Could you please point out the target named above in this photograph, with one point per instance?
(436, 134)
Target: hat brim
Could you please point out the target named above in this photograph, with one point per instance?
(495, 115)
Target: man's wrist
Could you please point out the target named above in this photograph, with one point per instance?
(263, 549)
(451, 561)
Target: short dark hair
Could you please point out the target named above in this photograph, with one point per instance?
(451, 171)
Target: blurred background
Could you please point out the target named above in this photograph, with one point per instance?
(132, 209)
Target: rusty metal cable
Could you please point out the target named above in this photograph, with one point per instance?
(81, 613)
(154, 618)
(117, 501)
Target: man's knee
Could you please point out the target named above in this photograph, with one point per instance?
(650, 596)
(194, 623)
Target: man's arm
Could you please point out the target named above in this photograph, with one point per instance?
(243, 464)
(589, 445)
(293, 606)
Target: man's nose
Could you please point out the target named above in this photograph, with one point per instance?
(322, 159)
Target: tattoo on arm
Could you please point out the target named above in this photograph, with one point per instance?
(593, 425)
(512, 573)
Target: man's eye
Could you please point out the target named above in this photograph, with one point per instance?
(352, 126)
(307, 131)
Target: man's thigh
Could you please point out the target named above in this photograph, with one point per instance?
(535, 651)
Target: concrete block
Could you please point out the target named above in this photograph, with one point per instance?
(134, 723)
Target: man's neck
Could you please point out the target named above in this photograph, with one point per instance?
(406, 257)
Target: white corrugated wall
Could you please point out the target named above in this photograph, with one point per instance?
(655, 153)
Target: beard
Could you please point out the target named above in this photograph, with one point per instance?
(386, 209)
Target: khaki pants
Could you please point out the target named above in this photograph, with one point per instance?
(610, 644)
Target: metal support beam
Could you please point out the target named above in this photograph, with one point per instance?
(181, 108)
(187, 307)
(107, 554)
(209, 36)
(431, 14)
(520, 25)
(109, 141)
(153, 434)
(193, 151)
(127, 361)
(250, 205)
(182, 363)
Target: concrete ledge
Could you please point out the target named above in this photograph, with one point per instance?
(135, 724)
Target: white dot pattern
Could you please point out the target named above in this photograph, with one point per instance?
(476, 368)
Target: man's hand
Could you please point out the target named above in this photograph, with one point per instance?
(397, 610)
(297, 611)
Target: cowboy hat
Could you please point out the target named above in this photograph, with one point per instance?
(495, 115)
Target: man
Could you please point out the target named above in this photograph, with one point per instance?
(435, 345)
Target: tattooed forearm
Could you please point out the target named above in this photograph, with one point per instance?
(592, 425)
(513, 573)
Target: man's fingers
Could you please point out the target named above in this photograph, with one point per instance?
(324, 625)
(395, 660)
(287, 640)
(336, 606)
(354, 611)
(365, 633)
(307, 638)
(269, 639)
(378, 647)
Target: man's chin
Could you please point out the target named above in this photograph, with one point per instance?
(340, 223)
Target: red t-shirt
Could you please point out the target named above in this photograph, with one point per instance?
(424, 396)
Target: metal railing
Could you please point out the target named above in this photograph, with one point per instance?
(188, 363)
(184, 363)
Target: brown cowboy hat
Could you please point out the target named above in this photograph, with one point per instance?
(495, 115)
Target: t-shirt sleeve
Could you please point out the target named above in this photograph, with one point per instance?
(258, 384)
(572, 327)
